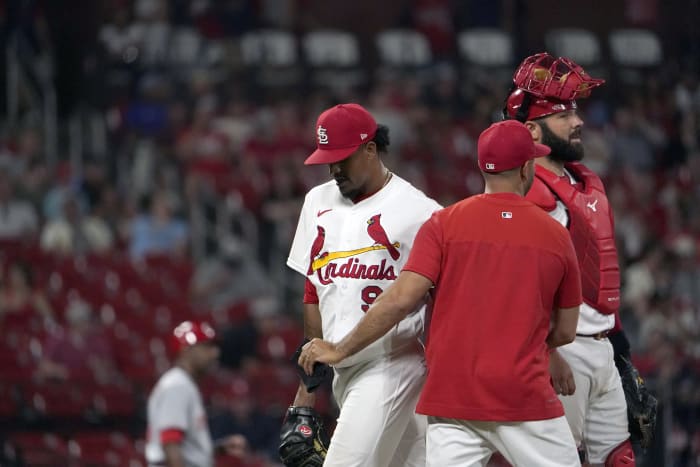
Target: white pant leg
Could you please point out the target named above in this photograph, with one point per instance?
(597, 411)
(377, 403)
(606, 423)
(411, 449)
(541, 443)
(454, 443)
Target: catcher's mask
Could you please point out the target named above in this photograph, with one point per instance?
(544, 85)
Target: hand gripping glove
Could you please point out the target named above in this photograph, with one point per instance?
(319, 375)
(641, 405)
(302, 439)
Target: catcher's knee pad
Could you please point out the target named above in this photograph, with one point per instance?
(621, 456)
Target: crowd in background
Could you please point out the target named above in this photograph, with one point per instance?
(203, 170)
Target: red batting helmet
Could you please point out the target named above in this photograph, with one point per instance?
(544, 85)
(190, 333)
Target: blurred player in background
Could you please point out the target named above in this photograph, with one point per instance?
(584, 372)
(507, 292)
(178, 433)
(353, 237)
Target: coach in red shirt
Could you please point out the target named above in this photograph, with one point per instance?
(507, 291)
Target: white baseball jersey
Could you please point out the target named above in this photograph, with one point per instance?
(176, 403)
(351, 252)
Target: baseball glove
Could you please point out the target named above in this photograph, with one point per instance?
(641, 405)
(302, 439)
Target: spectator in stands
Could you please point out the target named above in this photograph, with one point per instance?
(119, 37)
(73, 233)
(236, 412)
(16, 156)
(279, 211)
(34, 182)
(233, 275)
(158, 231)
(203, 149)
(635, 140)
(18, 218)
(19, 294)
(77, 351)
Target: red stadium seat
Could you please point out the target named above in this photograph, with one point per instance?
(9, 402)
(280, 343)
(273, 385)
(39, 449)
(114, 402)
(101, 448)
(58, 401)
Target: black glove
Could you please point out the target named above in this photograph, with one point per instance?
(321, 371)
(641, 405)
(302, 439)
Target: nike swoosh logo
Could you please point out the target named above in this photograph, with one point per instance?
(320, 213)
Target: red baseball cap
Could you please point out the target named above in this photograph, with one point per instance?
(506, 145)
(189, 333)
(340, 130)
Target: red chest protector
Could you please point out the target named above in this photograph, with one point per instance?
(592, 232)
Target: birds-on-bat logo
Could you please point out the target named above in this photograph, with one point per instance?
(378, 234)
(316, 247)
(326, 265)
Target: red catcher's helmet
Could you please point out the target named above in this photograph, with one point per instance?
(552, 85)
(190, 333)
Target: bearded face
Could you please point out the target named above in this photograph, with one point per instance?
(564, 149)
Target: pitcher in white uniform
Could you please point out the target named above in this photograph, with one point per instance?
(178, 433)
(353, 237)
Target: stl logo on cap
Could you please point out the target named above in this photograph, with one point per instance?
(322, 135)
(340, 131)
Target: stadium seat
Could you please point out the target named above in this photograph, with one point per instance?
(635, 48)
(101, 448)
(267, 47)
(327, 47)
(273, 385)
(580, 45)
(280, 343)
(186, 47)
(271, 56)
(38, 449)
(333, 57)
(9, 401)
(486, 56)
(403, 48)
(114, 402)
(486, 47)
(57, 400)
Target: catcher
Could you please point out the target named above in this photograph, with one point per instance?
(603, 406)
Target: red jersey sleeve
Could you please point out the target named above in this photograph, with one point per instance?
(569, 294)
(310, 295)
(426, 253)
(171, 435)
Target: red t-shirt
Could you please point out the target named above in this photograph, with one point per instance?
(500, 265)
